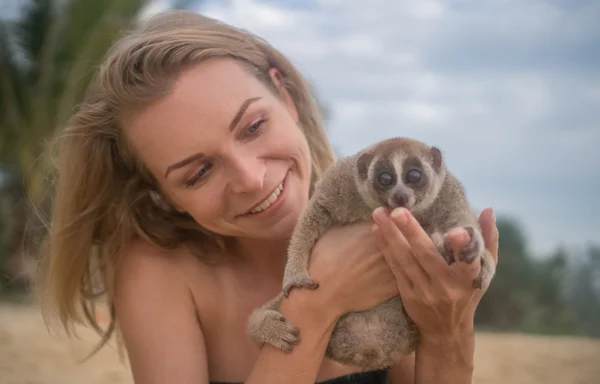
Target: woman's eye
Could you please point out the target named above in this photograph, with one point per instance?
(199, 175)
(255, 127)
(203, 171)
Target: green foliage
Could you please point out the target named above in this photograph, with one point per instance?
(48, 59)
(48, 56)
(584, 291)
(547, 295)
(512, 291)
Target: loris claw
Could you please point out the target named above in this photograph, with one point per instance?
(300, 281)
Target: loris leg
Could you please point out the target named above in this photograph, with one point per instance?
(267, 325)
(474, 250)
(314, 221)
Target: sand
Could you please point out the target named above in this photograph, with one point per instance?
(29, 355)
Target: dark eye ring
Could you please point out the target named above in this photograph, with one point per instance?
(413, 176)
(385, 178)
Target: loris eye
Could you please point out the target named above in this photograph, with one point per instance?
(386, 178)
(413, 176)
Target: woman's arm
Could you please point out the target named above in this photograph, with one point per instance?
(344, 261)
(446, 359)
(403, 372)
(437, 361)
(440, 299)
(302, 365)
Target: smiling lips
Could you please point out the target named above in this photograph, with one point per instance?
(269, 200)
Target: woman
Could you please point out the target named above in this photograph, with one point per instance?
(182, 175)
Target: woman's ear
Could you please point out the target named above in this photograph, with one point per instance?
(278, 80)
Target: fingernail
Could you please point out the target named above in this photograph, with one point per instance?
(374, 228)
(399, 214)
(378, 214)
(493, 215)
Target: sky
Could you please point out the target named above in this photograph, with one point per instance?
(508, 89)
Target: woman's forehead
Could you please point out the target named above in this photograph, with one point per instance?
(213, 89)
(200, 107)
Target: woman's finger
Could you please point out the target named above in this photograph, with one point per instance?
(403, 281)
(399, 250)
(420, 242)
(491, 236)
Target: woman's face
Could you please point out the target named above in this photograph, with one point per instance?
(227, 151)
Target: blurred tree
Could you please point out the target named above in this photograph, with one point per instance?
(584, 291)
(550, 295)
(47, 57)
(551, 313)
(511, 293)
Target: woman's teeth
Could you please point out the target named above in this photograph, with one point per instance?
(269, 200)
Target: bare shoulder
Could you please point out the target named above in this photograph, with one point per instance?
(143, 260)
(142, 264)
(157, 316)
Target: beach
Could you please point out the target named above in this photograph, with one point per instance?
(30, 355)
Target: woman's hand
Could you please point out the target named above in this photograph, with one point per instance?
(351, 269)
(438, 297)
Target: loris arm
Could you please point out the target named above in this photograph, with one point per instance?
(313, 223)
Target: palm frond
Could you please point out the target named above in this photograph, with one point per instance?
(89, 50)
(12, 95)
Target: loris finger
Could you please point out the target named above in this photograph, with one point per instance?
(458, 239)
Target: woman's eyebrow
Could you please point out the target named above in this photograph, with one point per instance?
(240, 112)
(183, 162)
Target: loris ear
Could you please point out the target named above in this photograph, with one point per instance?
(362, 163)
(437, 158)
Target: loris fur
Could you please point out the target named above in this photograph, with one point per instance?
(397, 172)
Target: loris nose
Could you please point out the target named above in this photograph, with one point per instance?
(400, 198)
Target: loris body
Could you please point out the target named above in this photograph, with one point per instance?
(393, 173)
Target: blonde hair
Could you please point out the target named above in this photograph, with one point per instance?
(104, 196)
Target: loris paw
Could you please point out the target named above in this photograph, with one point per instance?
(303, 281)
(269, 326)
(475, 248)
(472, 251)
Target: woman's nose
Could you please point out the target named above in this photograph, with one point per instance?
(248, 175)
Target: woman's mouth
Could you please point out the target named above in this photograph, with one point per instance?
(270, 204)
(273, 197)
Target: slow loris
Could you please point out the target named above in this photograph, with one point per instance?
(397, 172)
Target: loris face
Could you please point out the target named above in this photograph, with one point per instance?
(400, 173)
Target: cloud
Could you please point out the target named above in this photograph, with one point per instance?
(509, 89)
